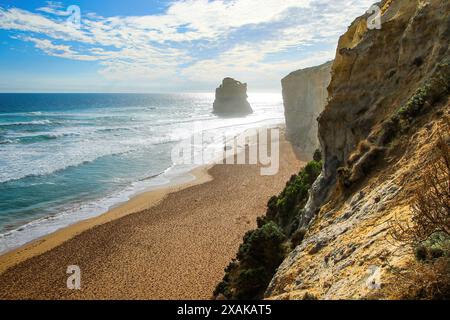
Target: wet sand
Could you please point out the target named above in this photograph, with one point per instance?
(167, 244)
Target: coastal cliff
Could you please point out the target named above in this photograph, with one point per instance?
(305, 96)
(369, 217)
(388, 107)
(231, 98)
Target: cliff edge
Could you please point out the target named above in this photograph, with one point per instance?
(388, 112)
(369, 218)
(305, 96)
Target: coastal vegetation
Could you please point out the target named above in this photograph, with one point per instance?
(385, 158)
(428, 232)
(370, 151)
(263, 249)
(434, 90)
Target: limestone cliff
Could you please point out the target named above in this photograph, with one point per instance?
(305, 95)
(231, 98)
(388, 104)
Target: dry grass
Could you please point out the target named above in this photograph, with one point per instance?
(421, 281)
(386, 6)
(431, 206)
(428, 232)
(363, 147)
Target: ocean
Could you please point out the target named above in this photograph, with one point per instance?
(69, 157)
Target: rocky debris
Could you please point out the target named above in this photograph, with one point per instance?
(305, 96)
(231, 98)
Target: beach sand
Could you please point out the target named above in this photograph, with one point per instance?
(172, 243)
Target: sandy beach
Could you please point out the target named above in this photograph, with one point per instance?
(171, 243)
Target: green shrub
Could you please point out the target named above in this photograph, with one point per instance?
(263, 249)
(223, 288)
(415, 104)
(436, 88)
(261, 221)
(262, 246)
(251, 283)
(296, 194)
(437, 246)
(272, 208)
(401, 120)
(317, 155)
(258, 257)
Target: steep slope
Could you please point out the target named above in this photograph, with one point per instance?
(305, 96)
(384, 129)
(388, 105)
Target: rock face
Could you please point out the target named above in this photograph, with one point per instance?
(374, 71)
(305, 96)
(231, 98)
(386, 83)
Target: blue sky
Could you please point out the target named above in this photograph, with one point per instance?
(165, 46)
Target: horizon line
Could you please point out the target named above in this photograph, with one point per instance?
(162, 92)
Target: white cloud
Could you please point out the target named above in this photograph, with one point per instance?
(54, 7)
(63, 51)
(197, 40)
(247, 64)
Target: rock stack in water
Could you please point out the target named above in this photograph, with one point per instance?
(231, 98)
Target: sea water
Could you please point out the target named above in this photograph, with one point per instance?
(69, 157)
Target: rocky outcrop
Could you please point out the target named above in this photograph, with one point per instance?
(231, 98)
(373, 73)
(388, 100)
(305, 96)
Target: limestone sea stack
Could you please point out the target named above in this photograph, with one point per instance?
(231, 98)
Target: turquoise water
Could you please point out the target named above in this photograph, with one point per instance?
(68, 157)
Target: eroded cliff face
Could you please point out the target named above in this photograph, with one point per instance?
(305, 96)
(377, 70)
(388, 103)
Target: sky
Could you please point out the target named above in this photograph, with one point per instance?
(165, 46)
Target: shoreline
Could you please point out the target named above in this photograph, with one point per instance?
(139, 202)
(170, 243)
